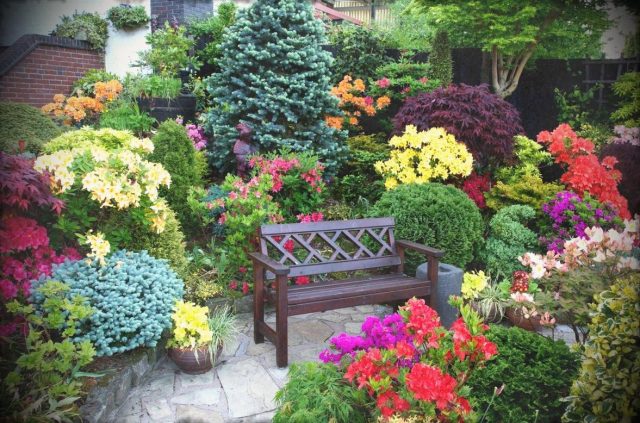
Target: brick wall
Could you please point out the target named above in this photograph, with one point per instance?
(44, 71)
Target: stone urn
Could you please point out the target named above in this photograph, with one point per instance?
(194, 361)
(517, 318)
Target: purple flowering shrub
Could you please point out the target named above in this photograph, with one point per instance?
(376, 332)
(196, 133)
(567, 216)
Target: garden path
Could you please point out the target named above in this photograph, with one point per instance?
(242, 387)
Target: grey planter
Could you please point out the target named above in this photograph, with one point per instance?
(449, 283)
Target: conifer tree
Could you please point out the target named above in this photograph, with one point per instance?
(274, 77)
(441, 65)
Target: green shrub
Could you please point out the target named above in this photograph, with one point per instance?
(627, 88)
(87, 137)
(124, 115)
(125, 16)
(169, 51)
(437, 215)
(23, 122)
(90, 24)
(358, 51)
(319, 393)
(606, 389)
(174, 150)
(158, 86)
(441, 65)
(508, 239)
(536, 372)
(133, 295)
(405, 79)
(211, 29)
(46, 384)
(529, 190)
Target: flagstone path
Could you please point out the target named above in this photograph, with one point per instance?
(242, 387)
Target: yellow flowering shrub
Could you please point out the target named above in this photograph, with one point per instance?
(425, 156)
(100, 247)
(102, 179)
(190, 326)
(472, 284)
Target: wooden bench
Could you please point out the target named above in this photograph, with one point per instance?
(303, 249)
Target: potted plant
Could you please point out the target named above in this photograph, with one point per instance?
(521, 292)
(128, 17)
(485, 298)
(196, 339)
(160, 96)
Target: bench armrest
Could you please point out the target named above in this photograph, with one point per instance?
(270, 264)
(410, 245)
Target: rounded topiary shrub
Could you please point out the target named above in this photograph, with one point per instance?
(174, 150)
(132, 296)
(536, 371)
(437, 215)
(485, 122)
(23, 122)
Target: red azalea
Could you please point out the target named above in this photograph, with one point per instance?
(423, 324)
(302, 280)
(405, 349)
(245, 288)
(289, 246)
(233, 285)
(390, 403)
(475, 186)
(428, 383)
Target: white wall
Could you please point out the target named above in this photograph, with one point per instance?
(20, 17)
(624, 24)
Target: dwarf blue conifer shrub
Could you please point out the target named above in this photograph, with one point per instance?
(132, 294)
(274, 77)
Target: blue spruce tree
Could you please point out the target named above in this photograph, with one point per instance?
(274, 77)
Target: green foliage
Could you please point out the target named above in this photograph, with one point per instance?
(406, 30)
(606, 389)
(85, 84)
(536, 372)
(278, 85)
(508, 239)
(159, 86)
(405, 79)
(174, 150)
(89, 25)
(124, 115)
(319, 393)
(529, 190)
(125, 16)
(169, 50)
(87, 137)
(358, 51)
(133, 295)
(45, 384)
(441, 65)
(26, 123)
(627, 87)
(210, 274)
(210, 30)
(575, 107)
(437, 215)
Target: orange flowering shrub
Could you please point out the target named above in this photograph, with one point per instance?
(354, 102)
(75, 109)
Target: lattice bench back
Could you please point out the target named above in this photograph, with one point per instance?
(333, 246)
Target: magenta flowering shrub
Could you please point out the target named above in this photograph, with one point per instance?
(568, 216)
(195, 132)
(25, 253)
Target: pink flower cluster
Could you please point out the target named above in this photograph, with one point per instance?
(309, 218)
(313, 177)
(276, 167)
(196, 133)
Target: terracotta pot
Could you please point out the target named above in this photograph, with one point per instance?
(192, 361)
(516, 317)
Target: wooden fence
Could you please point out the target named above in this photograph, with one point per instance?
(367, 11)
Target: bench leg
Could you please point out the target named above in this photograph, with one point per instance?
(258, 303)
(282, 358)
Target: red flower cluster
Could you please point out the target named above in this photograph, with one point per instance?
(424, 372)
(475, 186)
(312, 217)
(585, 173)
(423, 324)
(276, 167)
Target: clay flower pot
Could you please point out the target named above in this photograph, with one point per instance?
(193, 361)
(517, 318)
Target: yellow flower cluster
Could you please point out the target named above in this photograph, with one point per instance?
(420, 157)
(473, 283)
(100, 247)
(118, 178)
(190, 326)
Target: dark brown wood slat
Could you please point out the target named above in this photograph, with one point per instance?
(269, 333)
(337, 291)
(306, 243)
(356, 240)
(342, 266)
(370, 298)
(328, 226)
(280, 247)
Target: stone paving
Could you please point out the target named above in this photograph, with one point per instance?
(241, 388)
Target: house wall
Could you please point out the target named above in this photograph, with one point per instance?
(20, 17)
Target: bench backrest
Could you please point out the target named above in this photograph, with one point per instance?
(332, 246)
